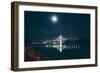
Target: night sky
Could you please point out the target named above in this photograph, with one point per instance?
(40, 27)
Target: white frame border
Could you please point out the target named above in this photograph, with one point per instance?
(34, 64)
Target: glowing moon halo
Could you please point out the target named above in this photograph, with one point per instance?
(54, 18)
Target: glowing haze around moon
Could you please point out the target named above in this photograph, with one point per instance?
(54, 18)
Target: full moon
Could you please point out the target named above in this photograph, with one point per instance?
(54, 18)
